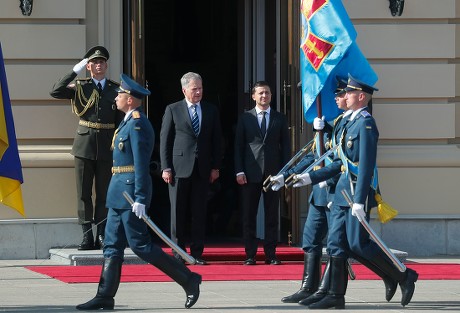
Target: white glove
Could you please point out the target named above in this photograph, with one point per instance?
(329, 205)
(278, 182)
(139, 209)
(80, 66)
(358, 211)
(322, 184)
(302, 180)
(318, 123)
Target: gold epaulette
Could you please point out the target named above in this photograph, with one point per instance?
(136, 115)
(113, 82)
(83, 80)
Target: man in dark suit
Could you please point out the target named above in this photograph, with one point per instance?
(262, 147)
(132, 149)
(93, 101)
(190, 152)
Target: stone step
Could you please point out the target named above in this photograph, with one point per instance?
(95, 257)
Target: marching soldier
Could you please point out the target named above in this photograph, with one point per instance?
(356, 163)
(132, 148)
(93, 102)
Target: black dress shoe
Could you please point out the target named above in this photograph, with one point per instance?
(192, 290)
(199, 261)
(408, 286)
(99, 242)
(250, 261)
(97, 303)
(273, 261)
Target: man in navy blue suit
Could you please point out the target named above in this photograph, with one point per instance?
(191, 155)
(132, 147)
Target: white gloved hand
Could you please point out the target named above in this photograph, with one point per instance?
(322, 184)
(358, 211)
(138, 209)
(329, 205)
(302, 180)
(80, 66)
(318, 123)
(278, 182)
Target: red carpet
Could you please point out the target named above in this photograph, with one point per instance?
(232, 272)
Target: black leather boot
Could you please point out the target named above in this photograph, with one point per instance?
(390, 283)
(322, 289)
(310, 280)
(88, 239)
(180, 273)
(405, 279)
(108, 286)
(100, 235)
(335, 297)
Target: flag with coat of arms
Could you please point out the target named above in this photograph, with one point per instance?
(328, 49)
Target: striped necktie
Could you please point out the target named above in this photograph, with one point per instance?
(195, 121)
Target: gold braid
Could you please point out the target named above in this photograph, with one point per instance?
(93, 99)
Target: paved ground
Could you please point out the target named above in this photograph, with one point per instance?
(24, 291)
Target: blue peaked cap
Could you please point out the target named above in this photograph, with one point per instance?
(341, 85)
(131, 87)
(355, 84)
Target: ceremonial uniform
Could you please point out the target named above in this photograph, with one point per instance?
(98, 118)
(356, 163)
(315, 227)
(132, 148)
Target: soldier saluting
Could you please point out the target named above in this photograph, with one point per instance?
(93, 102)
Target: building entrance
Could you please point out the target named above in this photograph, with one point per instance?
(195, 36)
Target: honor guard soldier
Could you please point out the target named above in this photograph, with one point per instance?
(132, 148)
(93, 102)
(355, 161)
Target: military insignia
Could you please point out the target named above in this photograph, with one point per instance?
(136, 114)
(365, 113)
(327, 145)
(121, 146)
(349, 144)
(369, 127)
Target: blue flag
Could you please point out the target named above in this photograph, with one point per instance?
(10, 164)
(328, 49)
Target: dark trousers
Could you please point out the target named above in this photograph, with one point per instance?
(189, 197)
(250, 195)
(124, 227)
(315, 229)
(86, 172)
(347, 237)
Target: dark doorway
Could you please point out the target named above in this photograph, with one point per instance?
(195, 36)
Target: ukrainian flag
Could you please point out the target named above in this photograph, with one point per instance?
(10, 164)
(328, 49)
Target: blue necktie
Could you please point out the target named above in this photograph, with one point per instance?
(99, 87)
(195, 121)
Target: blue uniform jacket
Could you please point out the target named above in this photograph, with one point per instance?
(359, 145)
(133, 145)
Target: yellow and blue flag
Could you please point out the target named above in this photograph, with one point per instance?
(10, 164)
(328, 49)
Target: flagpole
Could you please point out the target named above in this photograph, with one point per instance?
(319, 109)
